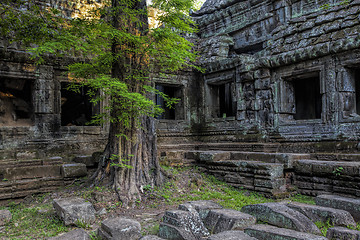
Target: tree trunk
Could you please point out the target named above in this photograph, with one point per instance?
(130, 160)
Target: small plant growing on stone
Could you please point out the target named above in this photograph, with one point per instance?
(82, 224)
(324, 226)
(338, 171)
(94, 236)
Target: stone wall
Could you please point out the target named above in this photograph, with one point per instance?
(292, 67)
(40, 130)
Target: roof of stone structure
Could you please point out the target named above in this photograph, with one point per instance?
(212, 5)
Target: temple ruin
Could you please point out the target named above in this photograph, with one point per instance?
(276, 110)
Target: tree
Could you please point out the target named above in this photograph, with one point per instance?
(115, 53)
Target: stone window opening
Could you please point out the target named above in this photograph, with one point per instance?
(308, 102)
(176, 112)
(222, 102)
(76, 108)
(16, 102)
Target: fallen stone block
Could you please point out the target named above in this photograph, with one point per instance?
(186, 221)
(171, 232)
(267, 232)
(196, 225)
(203, 207)
(5, 217)
(120, 229)
(151, 237)
(220, 220)
(77, 234)
(73, 170)
(336, 217)
(74, 210)
(231, 235)
(351, 205)
(341, 233)
(281, 216)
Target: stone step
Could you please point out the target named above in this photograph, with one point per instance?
(317, 167)
(23, 188)
(17, 173)
(352, 205)
(10, 163)
(226, 146)
(287, 159)
(335, 217)
(267, 232)
(342, 233)
(281, 216)
(351, 157)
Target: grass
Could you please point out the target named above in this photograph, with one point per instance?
(36, 222)
(206, 188)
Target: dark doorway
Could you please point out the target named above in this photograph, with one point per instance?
(16, 107)
(76, 108)
(357, 90)
(226, 104)
(175, 112)
(307, 98)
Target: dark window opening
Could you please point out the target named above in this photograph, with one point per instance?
(250, 49)
(176, 111)
(76, 108)
(307, 98)
(357, 90)
(16, 108)
(221, 101)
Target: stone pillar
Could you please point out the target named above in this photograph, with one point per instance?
(46, 121)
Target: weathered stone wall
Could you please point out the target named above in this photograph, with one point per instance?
(269, 51)
(42, 133)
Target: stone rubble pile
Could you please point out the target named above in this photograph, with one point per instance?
(208, 220)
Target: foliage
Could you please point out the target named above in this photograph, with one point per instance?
(324, 226)
(94, 44)
(357, 227)
(338, 171)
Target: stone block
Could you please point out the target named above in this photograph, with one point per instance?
(351, 205)
(73, 210)
(185, 221)
(213, 156)
(5, 217)
(341, 233)
(73, 170)
(151, 237)
(220, 220)
(267, 232)
(231, 235)
(77, 234)
(171, 232)
(203, 207)
(197, 226)
(85, 159)
(282, 216)
(120, 229)
(315, 213)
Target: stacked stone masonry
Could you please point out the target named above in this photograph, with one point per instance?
(281, 77)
